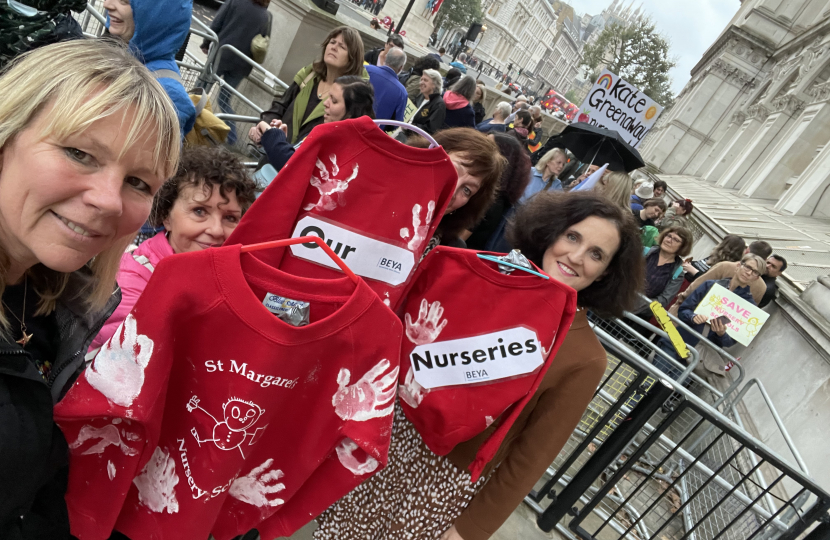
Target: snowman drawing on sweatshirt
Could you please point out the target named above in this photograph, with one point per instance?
(233, 430)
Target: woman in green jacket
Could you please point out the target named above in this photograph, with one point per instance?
(301, 106)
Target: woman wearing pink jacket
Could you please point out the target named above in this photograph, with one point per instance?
(199, 207)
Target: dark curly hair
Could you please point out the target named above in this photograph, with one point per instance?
(425, 62)
(482, 160)
(207, 167)
(516, 173)
(543, 219)
(358, 95)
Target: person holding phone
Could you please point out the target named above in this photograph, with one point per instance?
(751, 268)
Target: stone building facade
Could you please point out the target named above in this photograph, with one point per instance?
(559, 67)
(755, 115)
(519, 34)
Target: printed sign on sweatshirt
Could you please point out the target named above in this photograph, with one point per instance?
(490, 357)
(745, 318)
(613, 103)
(367, 257)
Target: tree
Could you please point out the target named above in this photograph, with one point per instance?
(455, 13)
(570, 95)
(638, 54)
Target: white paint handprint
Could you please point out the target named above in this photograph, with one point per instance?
(411, 392)
(429, 324)
(255, 487)
(420, 231)
(157, 483)
(345, 453)
(367, 398)
(331, 189)
(118, 370)
(107, 435)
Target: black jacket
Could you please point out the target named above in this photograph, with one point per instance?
(236, 24)
(463, 117)
(432, 115)
(371, 57)
(480, 113)
(34, 459)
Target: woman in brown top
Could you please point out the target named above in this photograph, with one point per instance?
(584, 241)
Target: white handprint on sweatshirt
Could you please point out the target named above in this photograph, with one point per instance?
(345, 454)
(369, 397)
(411, 392)
(429, 324)
(419, 231)
(331, 189)
(257, 486)
(118, 369)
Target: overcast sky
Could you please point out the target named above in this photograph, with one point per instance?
(690, 25)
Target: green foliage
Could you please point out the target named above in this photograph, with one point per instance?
(638, 54)
(455, 13)
(570, 95)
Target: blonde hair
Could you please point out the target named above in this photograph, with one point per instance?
(617, 188)
(550, 155)
(85, 81)
(761, 263)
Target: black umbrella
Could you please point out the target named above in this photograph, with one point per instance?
(591, 144)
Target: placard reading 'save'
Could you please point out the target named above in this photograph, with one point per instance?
(613, 103)
(746, 319)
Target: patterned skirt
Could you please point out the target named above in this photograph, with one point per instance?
(418, 496)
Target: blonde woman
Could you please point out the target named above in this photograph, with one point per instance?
(616, 186)
(545, 176)
(87, 137)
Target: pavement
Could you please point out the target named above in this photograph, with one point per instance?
(803, 241)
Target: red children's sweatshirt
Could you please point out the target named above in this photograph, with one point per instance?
(375, 201)
(478, 343)
(205, 413)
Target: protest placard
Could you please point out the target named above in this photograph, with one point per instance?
(613, 103)
(745, 318)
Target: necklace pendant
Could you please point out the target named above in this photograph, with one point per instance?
(25, 339)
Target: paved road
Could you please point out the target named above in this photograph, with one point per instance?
(205, 10)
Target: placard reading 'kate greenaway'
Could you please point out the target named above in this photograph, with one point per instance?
(613, 103)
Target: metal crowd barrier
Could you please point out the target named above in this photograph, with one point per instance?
(658, 460)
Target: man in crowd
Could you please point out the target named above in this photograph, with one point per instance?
(660, 188)
(653, 209)
(377, 57)
(390, 94)
(441, 52)
(727, 270)
(537, 133)
(776, 264)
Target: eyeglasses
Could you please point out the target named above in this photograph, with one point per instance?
(673, 238)
(752, 270)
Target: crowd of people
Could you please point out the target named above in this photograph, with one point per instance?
(91, 149)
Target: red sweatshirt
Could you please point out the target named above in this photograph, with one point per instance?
(478, 344)
(375, 201)
(205, 413)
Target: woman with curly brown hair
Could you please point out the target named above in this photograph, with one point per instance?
(198, 208)
(583, 241)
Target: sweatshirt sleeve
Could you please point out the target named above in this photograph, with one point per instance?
(277, 147)
(552, 421)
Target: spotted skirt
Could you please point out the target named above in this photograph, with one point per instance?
(418, 496)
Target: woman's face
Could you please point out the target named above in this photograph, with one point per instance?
(426, 86)
(555, 166)
(479, 94)
(122, 23)
(679, 210)
(199, 220)
(671, 243)
(582, 253)
(658, 192)
(62, 202)
(335, 106)
(652, 212)
(467, 185)
(748, 272)
(337, 54)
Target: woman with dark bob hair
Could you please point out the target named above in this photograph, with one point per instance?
(581, 240)
(350, 97)
(664, 268)
(301, 106)
(479, 166)
(489, 232)
(199, 208)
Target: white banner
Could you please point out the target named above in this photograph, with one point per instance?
(503, 354)
(367, 257)
(612, 103)
(745, 318)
